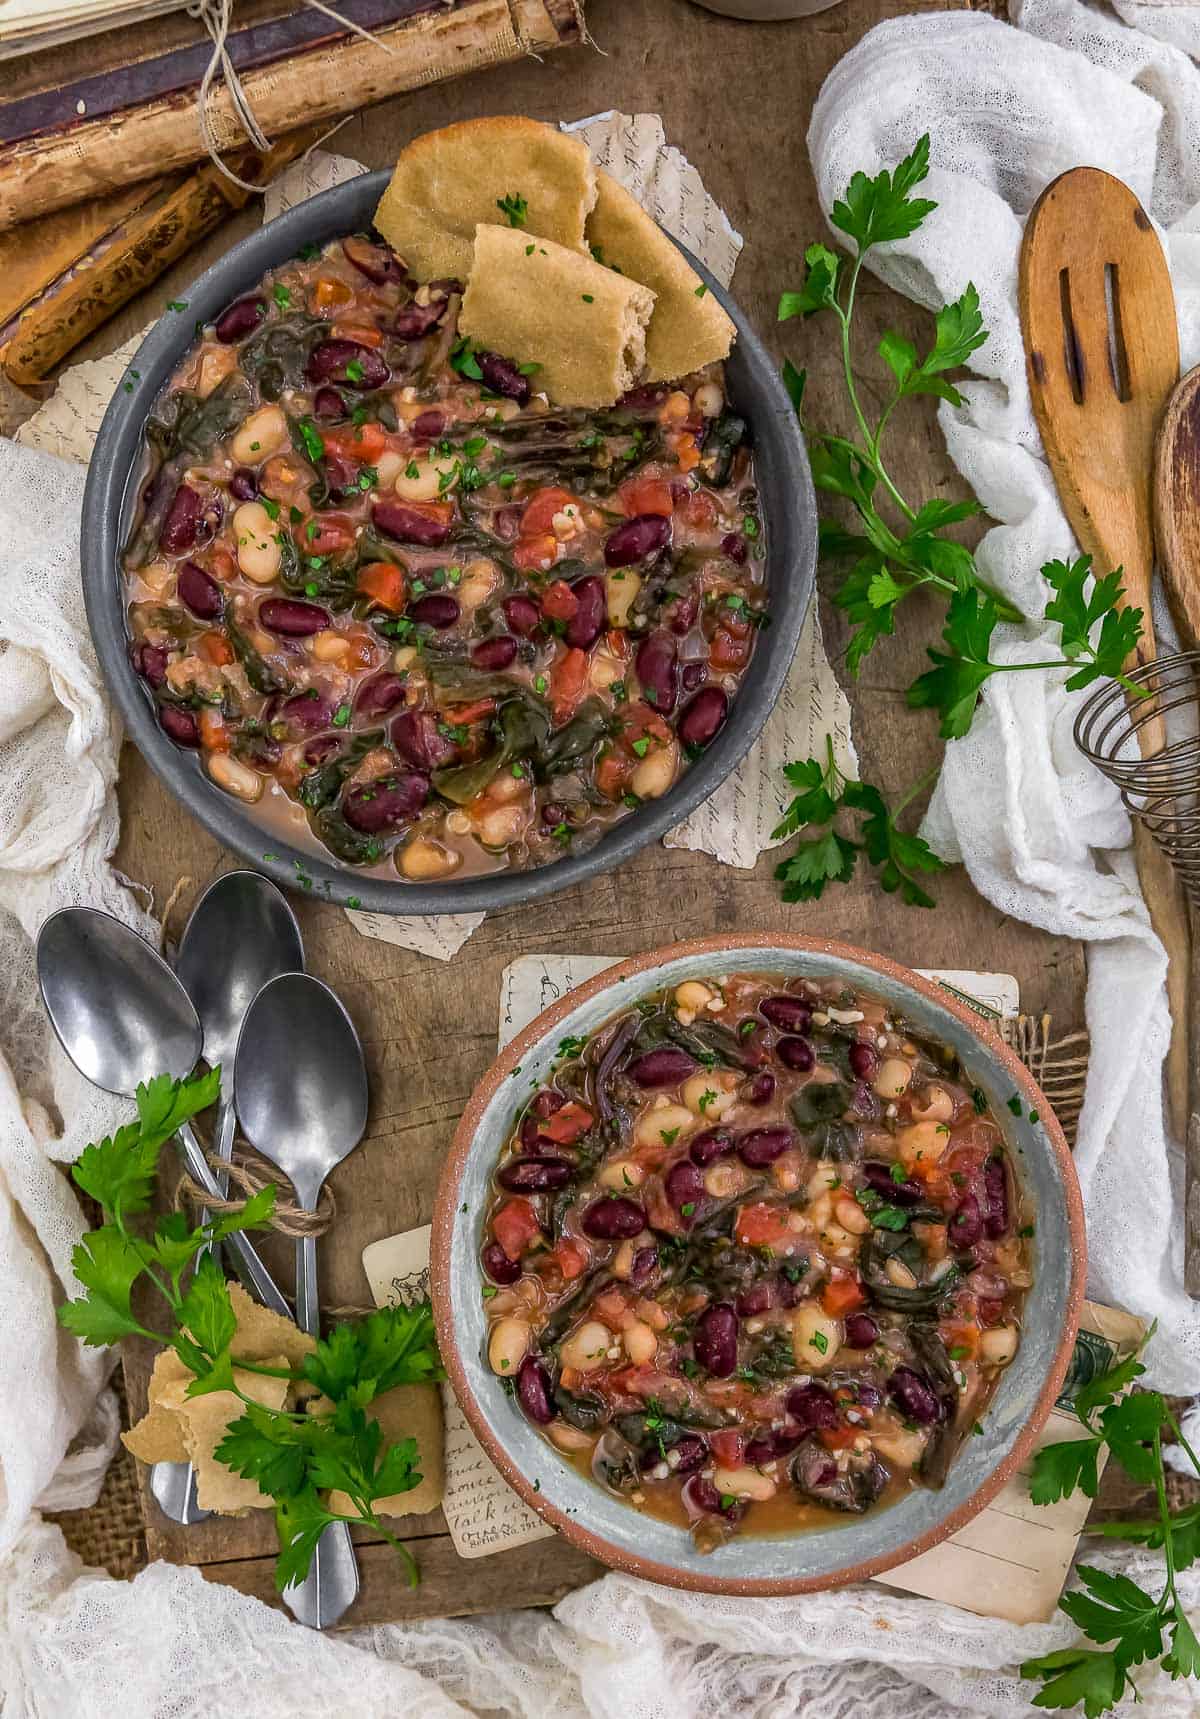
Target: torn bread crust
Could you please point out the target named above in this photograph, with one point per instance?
(688, 329)
(447, 182)
(205, 1421)
(584, 326)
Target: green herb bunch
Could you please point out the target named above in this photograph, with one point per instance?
(295, 1457)
(1129, 1625)
(898, 548)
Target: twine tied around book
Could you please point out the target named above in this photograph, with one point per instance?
(216, 17)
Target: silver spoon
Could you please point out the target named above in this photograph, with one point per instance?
(301, 1088)
(122, 1017)
(239, 934)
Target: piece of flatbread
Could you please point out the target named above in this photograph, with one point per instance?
(446, 182)
(406, 1411)
(158, 1436)
(688, 329)
(583, 325)
(261, 1333)
(206, 1419)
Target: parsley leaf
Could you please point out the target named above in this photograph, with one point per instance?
(875, 211)
(953, 685)
(1077, 614)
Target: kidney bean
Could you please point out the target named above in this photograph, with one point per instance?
(636, 538)
(995, 1197)
(553, 814)
(760, 1088)
(685, 1187)
(761, 1146)
(181, 527)
(966, 1224)
(701, 1497)
(812, 1407)
(407, 525)
(588, 621)
(497, 653)
(863, 1061)
(435, 610)
(320, 751)
(788, 1013)
(680, 616)
(657, 670)
(715, 1340)
(341, 477)
(379, 265)
(693, 675)
(795, 1053)
(861, 1330)
(373, 807)
(348, 364)
(150, 661)
(292, 618)
(690, 1453)
(243, 485)
(645, 1262)
(613, 1218)
(522, 614)
(181, 725)
(703, 716)
(329, 406)
(868, 1397)
(990, 1311)
(878, 1178)
(533, 1391)
(416, 736)
(427, 426)
(759, 1298)
(239, 318)
(734, 545)
(307, 712)
(502, 376)
(792, 1294)
(712, 1144)
(535, 1175)
(546, 1102)
(914, 1398)
(415, 321)
(199, 591)
(644, 394)
(666, 1065)
(770, 1443)
(498, 1266)
(375, 697)
(865, 1102)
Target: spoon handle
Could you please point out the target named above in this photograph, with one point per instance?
(248, 1260)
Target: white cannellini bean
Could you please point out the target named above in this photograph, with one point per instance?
(567, 1437)
(260, 435)
(622, 1264)
(641, 1344)
(898, 1273)
(588, 1347)
(722, 1180)
(508, 1345)
(258, 553)
(404, 658)
(851, 1216)
(388, 467)
(938, 1106)
(656, 772)
(903, 1447)
(479, 580)
(621, 587)
(622, 1173)
(425, 479)
(922, 1143)
(215, 366)
(825, 1175)
(710, 1094)
(892, 1080)
(998, 1346)
(744, 1483)
(329, 647)
(816, 1339)
(424, 858)
(235, 777)
(709, 400)
(660, 1120)
(693, 995)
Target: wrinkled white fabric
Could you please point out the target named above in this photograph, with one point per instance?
(1008, 110)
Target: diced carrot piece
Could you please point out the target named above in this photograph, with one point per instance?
(515, 1225)
(559, 602)
(762, 1225)
(569, 1378)
(535, 554)
(385, 584)
(959, 1335)
(568, 678)
(463, 715)
(215, 648)
(214, 735)
(567, 1125)
(361, 332)
(325, 534)
(330, 293)
(837, 1438)
(570, 1258)
(612, 773)
(640, 722)
(842, 1295)
(728, 651)
(361, 442)
(647, 495)
(728, 1446)
(540, 509)
(687, 452)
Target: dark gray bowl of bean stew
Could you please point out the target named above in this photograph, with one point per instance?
(393, 629)
(757, 1264)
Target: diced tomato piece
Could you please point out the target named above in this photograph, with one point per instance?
(567, 1125)
(837, 1438)
(325, 534)
(559, 602)
(700, 509)
(612, 1306)
(728, 1446)
(640, 722)
(215, 648)
(612, 773)
(221, 564)
(385, 584)
(362, 332)
(959, 1335)
(647, 495)
(990, 1311)
(515, 1225)
(570, 1258)
(213, 733)
(729, 650)
(842, 1295)
(617, 641)
(569, 1378)
(535, 554)
(463, 715)
(568, 678)
(761, 1225)
(540, 509)
(329, 293)
(361, 442)
(687, 451)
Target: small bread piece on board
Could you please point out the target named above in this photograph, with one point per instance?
(261, 1333)
(158, 1436)
(688, 329)
(408, 1411)
(205, 1421)
(537, 302)
(446, 182)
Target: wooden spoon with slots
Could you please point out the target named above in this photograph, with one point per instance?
(1102, 350)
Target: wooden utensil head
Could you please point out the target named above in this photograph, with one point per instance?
(1177, 506)
(1102, 347)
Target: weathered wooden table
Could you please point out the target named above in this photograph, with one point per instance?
(736, 98)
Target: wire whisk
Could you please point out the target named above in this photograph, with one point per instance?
(1161, 791)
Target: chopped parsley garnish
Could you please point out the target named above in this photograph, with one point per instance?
(820, 1342)
(701, 290)
(314, 447)
(1014, 1104)
(354, 370)
(642, 746)
(587, 298)
(669, 1136)
(271, 507)
(341, 716)
(515, 208)
(282, 297)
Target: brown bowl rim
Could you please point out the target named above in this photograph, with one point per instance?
(446, 1202)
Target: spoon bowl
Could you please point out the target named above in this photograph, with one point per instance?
(240, 934)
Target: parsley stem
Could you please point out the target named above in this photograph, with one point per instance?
(845, 316)
(1160, 1488)
(1180, 1440)
(918, 788)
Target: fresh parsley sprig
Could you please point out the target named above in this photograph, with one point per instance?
(296, 1457)
(1126, 1622)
